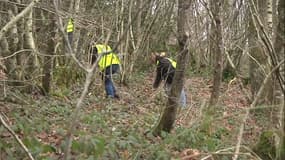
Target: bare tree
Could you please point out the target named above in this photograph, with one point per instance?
(169, 115)
(47, 67)
(218, 49)
(29, 58)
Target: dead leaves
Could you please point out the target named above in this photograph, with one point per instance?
(190, 154)
(50, 138)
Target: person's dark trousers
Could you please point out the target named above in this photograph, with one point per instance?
(70, 38)
(109, 85)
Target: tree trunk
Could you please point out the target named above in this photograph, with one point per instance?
(218, 50)
(169, 115)
(124, 43)
(76, 33)
(269, 17)
(30, 56)
(47, 68)
(279, 46)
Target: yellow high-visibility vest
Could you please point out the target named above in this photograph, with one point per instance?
(108, 58)
(173, 63)
(70, 26)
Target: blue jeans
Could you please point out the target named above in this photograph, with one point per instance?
(109, 85)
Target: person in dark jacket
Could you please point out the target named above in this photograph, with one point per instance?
(165, 70)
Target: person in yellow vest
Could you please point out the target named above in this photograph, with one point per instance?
(165, 70)
(69, 30)
(109, 63)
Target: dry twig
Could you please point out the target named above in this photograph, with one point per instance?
(16, 137)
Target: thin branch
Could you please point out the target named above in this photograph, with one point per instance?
(16, 137)
(23, 50)
(17, 18)
(222, 151)
(219, 151)
(253, 104)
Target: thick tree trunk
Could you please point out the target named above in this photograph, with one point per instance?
(47, 68)
(169, 115)
(218, 50)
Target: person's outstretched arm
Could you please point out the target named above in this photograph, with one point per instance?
(158, 77)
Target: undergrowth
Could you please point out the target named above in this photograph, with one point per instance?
(112, 129)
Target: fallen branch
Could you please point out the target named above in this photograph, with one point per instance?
(16, 137)
(223, 152)
(219, 151)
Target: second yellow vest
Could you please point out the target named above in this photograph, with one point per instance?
(108, 58)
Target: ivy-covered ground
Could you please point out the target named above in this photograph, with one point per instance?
(121, 129)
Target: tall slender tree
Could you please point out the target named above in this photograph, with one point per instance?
(218, 49)
(30, 56)
(279, 46)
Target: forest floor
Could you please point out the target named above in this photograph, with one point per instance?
(120, 129)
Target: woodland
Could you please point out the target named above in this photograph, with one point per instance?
(230, 62)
